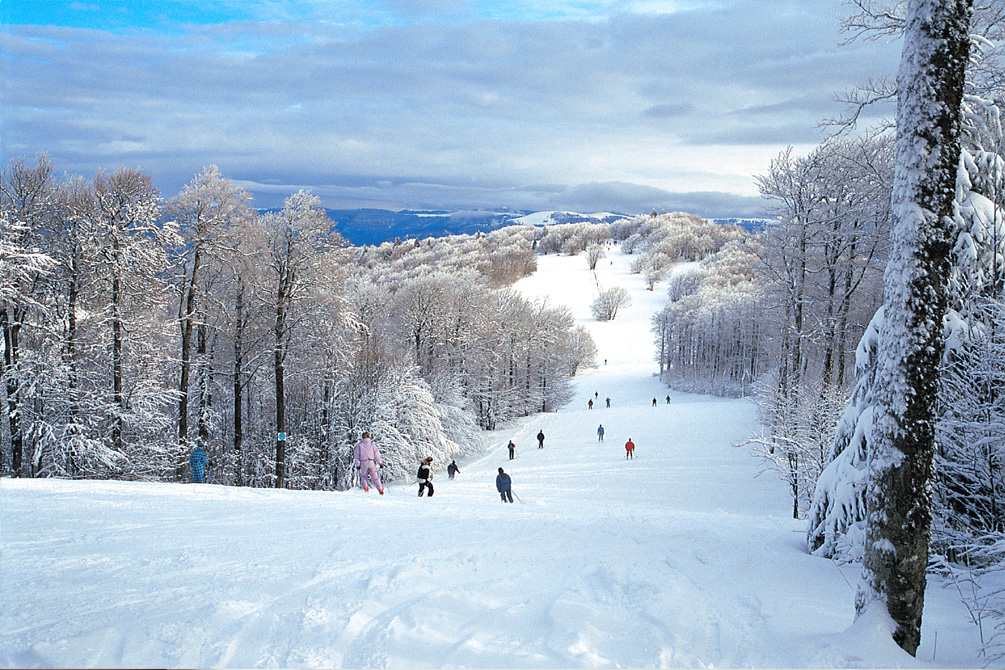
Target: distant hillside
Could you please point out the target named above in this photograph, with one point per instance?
(753, 225)
(375, 226)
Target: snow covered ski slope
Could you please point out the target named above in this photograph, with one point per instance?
(681, 557)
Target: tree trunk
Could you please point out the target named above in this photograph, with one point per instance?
(70, 357)
(238, 364)
(205, 394)
(280, 391)
(116, 365)
(187, 316)
(10, 323)
(898, 497)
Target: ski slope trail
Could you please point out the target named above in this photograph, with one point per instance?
(680, 557)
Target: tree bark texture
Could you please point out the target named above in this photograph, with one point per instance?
(898, 498)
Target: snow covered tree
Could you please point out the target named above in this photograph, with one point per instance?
(300, 240)
(131, 258)
(709, 335)
(607, 304)
(929, 97)
(594, 253)
(25, 201)
(203, 210)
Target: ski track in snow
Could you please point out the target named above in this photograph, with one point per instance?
(681, 557)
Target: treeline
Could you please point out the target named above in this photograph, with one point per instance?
(135, 327)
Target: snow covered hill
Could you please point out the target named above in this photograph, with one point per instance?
(681, 557)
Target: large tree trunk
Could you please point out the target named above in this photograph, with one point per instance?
(898, 498)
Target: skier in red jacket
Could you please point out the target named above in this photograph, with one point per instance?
(629, 449)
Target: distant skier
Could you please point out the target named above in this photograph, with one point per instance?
(512, 449)
(630, 449)
(425, 476)
(199, 465)
(452, 469)
(367, 458)
(668, 400)
(540, 439)
(590, 403)
(654, 402)
(504, 485)
(608, 402)
(600, 433)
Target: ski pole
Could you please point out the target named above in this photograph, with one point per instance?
(516, 496)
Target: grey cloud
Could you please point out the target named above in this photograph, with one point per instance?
(478, 109)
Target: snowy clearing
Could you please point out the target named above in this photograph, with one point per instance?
(681, 557)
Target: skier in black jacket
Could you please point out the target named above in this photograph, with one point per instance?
(452, 469)
(424, 476)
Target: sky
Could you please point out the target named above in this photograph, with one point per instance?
(582, 105)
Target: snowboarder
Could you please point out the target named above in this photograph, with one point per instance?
(505, 486)
(198, 462)
(367, 458)
(630, 449)
(425, 476)
(590, 403)
(452, 469)
(540, 439)
(512, 449)
(608, 402)
(600, 433)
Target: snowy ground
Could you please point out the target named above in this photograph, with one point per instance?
(679, 558)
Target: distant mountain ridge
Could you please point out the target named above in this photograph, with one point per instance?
(368, 226)
(375, 226)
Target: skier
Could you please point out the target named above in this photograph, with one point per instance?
(600, 433)
(367, 458)
(540, 439)
(425, 476)
(608, 402)
(590, 403)
(668, 400)
(512, 449)
(505, 486)
(654, 402)
(198, 462)
(452, 469)
(630, 449)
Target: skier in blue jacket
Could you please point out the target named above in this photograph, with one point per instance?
(198, 462)
(504, 485)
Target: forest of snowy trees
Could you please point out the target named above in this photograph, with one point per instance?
(136, 327)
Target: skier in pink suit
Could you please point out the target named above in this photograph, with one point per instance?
(367, 459)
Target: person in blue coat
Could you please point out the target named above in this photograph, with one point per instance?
(198, 462)
(600, 433)
(505, 486)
